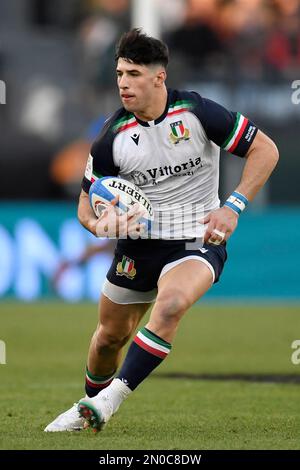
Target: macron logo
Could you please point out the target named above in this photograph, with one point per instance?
(135, 138)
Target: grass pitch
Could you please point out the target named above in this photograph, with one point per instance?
(227, 384)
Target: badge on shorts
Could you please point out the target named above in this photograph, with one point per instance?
(126, 268)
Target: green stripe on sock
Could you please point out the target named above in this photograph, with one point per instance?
(155, 338)
(98, 378)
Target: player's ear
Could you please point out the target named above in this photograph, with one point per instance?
(160, 77)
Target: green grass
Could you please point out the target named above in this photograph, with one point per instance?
(46, 355)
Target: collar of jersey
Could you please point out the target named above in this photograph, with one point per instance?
(158, 120)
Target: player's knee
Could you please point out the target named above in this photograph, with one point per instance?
(106, 341)
(172, 304)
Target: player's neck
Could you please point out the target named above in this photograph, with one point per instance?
(155, 108)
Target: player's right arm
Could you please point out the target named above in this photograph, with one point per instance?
(86, 215)
(110, 224)
(100, 163)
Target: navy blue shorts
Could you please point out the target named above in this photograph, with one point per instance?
(138, 264)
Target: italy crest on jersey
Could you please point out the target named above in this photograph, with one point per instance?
(126, 268)
(179, 132)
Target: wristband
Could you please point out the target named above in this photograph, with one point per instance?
(236, 202)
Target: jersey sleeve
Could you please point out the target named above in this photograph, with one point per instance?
(230, 130)
(100, 161)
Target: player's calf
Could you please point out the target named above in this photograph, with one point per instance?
(166, 314)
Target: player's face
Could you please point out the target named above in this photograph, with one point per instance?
(138, 85)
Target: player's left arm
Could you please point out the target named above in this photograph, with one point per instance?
(261, 159)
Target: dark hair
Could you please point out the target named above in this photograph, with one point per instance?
(139, 48)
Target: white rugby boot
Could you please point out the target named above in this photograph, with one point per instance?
(70, 420)
(98, 410)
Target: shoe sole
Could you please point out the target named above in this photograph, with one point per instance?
(64, 430)
(91, 415)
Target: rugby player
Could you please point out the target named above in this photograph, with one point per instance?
(168, 142)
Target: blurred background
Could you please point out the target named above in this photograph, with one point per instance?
(58, 86)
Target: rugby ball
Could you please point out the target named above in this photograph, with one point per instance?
(105, 189)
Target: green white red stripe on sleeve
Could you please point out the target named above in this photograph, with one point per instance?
(233, 139)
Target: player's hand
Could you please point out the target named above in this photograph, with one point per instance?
(221, 224)
(112, 225)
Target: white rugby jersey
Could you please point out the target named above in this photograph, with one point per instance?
(174, 159)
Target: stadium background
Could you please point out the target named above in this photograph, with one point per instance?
(56, 60)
